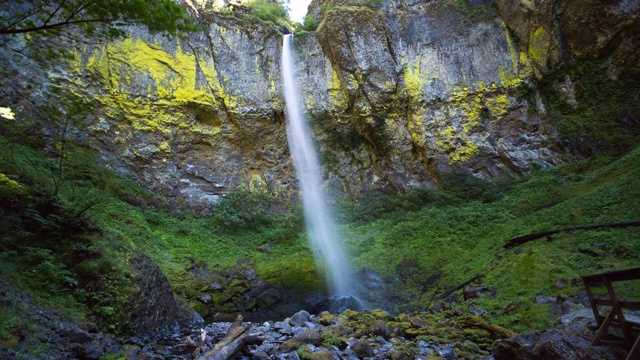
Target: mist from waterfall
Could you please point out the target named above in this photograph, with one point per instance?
(320, 225)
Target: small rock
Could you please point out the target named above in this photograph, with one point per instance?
(448, 353)
(543, 299)
(559, 284)
(601, 246)
(473, 292)
(519, 251)
(477, 311)
(283, 328)
(576, 281)
(205, 298)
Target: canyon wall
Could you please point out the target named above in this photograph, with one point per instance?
(398, 93)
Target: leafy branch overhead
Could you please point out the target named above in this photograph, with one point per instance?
(25, 16)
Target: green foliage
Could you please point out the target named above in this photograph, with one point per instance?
(453, 239)
(474, 10)
(273, 12)
(326, 8)
(605, 119)
(98, 16)
(375, 4)
(308, 24)
(242, 209)
(467, 187)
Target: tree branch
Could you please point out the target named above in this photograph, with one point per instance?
(52, 26)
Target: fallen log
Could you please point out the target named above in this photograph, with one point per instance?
(458, 287)
(236, 339)
(526, 238)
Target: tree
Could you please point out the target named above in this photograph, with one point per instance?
(26, 16)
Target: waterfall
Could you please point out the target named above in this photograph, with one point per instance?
(320, 226)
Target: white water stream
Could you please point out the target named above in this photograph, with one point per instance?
(320, 225)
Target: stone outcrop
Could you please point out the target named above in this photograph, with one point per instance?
(397, 94)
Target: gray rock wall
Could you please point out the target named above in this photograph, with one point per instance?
(396, 96)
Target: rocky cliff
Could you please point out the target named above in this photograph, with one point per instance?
(398, 93)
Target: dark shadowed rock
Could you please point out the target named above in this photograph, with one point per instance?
(563, 342)
(315, 303)
(80, 336)
(86, 351)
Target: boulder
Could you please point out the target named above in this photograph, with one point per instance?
(362, 349)
(308, 336)
(299, 318)
(315, 303)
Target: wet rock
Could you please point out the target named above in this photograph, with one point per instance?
(342, 303)
(315, 303)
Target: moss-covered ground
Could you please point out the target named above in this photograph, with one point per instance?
(424, 242)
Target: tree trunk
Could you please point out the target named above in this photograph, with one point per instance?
(236, 339)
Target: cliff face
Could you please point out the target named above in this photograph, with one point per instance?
(397, 95)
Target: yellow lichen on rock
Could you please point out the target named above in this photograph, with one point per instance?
(144, 81)
(337, 93)
(456, 144)
(539, 41)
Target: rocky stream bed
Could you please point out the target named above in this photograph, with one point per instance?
(447, 334)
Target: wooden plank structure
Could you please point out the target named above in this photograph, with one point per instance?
(615, 317)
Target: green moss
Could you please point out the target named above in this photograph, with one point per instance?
(601, 121)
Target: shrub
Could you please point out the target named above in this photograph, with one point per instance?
(242, 209)
(270, 11)
(309, 23)
(467, 187)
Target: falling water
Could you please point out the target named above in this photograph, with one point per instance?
(320, 226)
